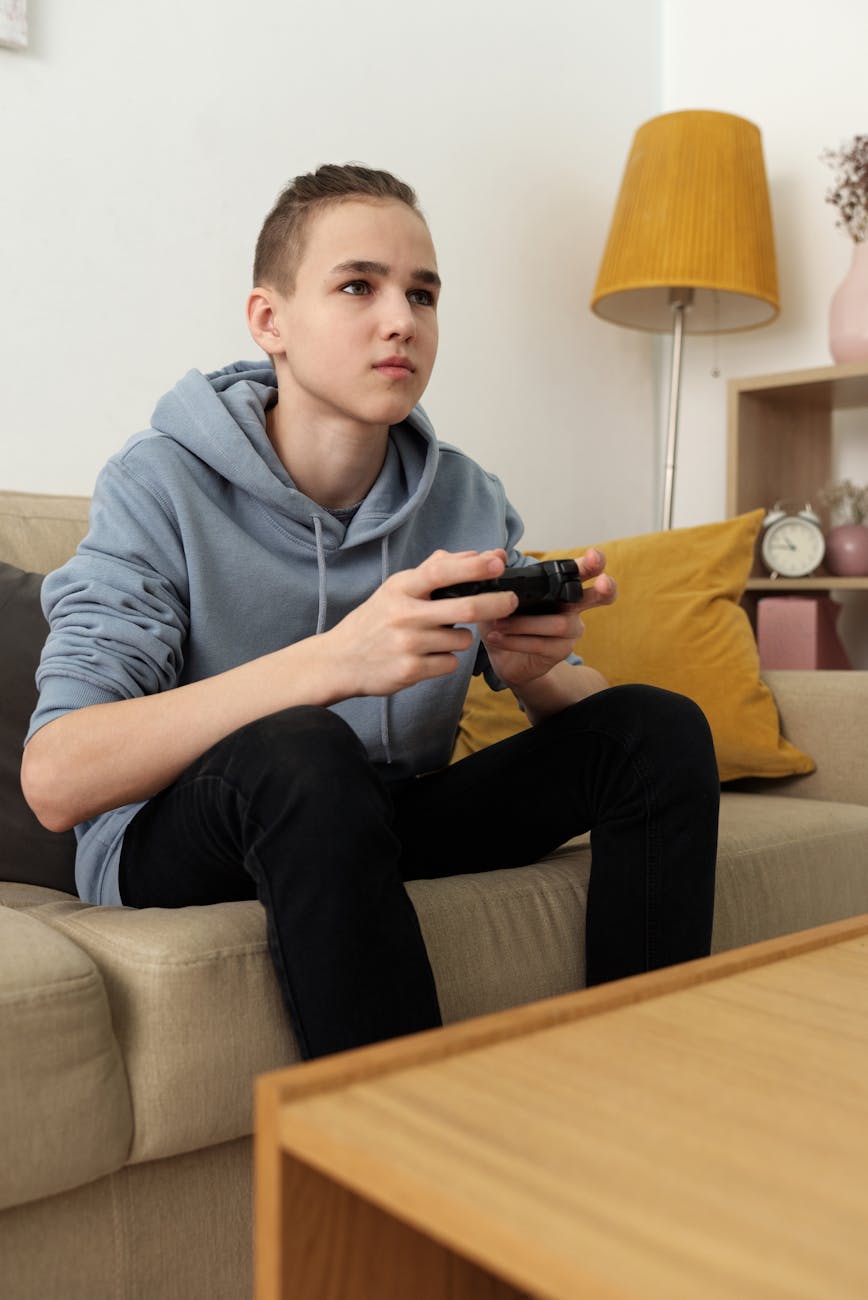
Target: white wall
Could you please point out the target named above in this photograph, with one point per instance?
(797, 69)
(149, 141)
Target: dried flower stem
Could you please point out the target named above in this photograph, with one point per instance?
(847, 503)
(850, 192)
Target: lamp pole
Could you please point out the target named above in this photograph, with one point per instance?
(680, 299)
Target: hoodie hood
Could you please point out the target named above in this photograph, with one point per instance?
(220, 419)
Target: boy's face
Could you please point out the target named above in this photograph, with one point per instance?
(357, 337)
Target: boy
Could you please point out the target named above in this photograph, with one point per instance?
(246, 690)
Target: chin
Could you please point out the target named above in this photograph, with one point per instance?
(392, 412)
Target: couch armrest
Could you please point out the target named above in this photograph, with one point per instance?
(824, 713)
(65, 1113)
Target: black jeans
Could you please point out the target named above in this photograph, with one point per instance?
(289, 809)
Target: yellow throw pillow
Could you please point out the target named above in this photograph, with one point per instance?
(677, 623)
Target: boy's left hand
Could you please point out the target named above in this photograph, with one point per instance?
(524, 647)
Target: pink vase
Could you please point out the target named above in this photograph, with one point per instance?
(847, 551)
(848, 315)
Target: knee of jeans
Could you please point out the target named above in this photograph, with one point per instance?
(669, 719)
(304, 740)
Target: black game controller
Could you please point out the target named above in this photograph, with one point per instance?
(541, 588)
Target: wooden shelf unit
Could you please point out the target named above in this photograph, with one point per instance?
(780, 448)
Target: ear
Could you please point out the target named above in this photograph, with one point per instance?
(262, 320)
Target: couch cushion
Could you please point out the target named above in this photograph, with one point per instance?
(508, 937)
(677, 624)
(196, 1010)
(65, 1115)
(27, 851)
(502, 938)
(196, 1005)
(823, 713)
(787, 864)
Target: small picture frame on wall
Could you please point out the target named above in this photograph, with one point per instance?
(13, 24)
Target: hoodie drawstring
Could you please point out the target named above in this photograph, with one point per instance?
(384, 699)
(322, 591)
(322, 613)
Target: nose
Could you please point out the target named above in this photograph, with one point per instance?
(397, 319)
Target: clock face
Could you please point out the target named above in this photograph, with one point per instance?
(793, 547)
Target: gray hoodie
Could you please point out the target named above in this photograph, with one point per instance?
(202, 555)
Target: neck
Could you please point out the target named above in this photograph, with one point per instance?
(335, 465)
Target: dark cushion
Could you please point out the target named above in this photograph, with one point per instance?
(28, 852)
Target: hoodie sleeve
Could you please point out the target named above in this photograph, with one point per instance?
(118, 610)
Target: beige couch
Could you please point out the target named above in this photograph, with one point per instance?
(129, 1039)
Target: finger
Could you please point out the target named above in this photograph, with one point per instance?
(436, 665)
(603, 591)
(549, 647)
(560, 624)
(444, 568)
(443, 640)
(421, 668)
(592, 563)
(488, 608)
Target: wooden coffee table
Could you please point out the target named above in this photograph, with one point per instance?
(697, 1132)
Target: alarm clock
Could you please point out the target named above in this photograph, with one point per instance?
(793, 544)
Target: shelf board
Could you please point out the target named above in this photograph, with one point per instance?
(807, 584)
(832, 387)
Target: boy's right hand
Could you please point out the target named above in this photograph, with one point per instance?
(399, 636)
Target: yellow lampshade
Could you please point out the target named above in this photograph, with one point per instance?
(693, 213)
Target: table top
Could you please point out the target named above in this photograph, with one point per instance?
(699, 1132)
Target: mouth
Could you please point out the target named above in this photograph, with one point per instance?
(395, 367)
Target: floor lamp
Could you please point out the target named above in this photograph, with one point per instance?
(691, 247)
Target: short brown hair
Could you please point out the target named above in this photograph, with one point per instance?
(280, 245)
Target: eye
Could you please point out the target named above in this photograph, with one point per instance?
(356, 288)
(421, 297)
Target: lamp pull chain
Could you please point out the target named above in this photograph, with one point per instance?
(715, 345)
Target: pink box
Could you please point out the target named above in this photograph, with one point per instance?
(799, 632)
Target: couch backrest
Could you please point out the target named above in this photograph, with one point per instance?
(38, 531)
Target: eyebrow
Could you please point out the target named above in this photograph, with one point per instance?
(421, 273)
